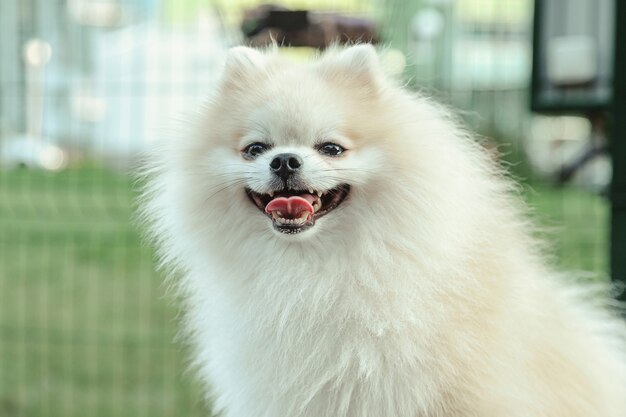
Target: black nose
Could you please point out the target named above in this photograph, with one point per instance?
(285, 164)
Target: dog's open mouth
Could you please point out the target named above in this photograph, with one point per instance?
(293, 211)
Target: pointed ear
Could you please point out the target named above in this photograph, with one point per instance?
(243, 65)
(359, 64)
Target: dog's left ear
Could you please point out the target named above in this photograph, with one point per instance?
(357, 64)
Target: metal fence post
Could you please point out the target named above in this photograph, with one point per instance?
(618, 152)
(11, 77)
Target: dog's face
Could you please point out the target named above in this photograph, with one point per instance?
(295, 186)
(293, 142)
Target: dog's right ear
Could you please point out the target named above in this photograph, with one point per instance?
(243, 65)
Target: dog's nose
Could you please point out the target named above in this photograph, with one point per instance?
(285, 164)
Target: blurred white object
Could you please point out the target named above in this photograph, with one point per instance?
(425, 32)
(37, 53)
(31, 152)
(427, 24)
(99, 13)
(556, 141)
(571, 60)
(31, 149)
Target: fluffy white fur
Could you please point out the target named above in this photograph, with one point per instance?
(424, 294)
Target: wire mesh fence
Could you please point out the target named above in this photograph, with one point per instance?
(86, 326)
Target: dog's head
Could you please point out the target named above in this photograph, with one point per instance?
(291, 146)
(330, 149)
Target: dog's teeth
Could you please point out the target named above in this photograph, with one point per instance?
(271, 193)
(282, 221)
(319, 194)
(311, 191)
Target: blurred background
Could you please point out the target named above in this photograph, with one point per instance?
(87, 328)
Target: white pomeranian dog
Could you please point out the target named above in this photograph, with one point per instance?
(347, 250)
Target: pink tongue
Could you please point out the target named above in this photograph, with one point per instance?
(289, 206)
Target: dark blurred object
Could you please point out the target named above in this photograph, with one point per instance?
(572, 72)
(596, 146)
(266, 23)
(618, 149)
(573, 43)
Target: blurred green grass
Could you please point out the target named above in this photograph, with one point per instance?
(575, 223)
(86, 327)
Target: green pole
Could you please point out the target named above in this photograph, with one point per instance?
(618, 152)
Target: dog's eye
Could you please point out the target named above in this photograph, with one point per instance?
(330, 149)
(254, 149)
